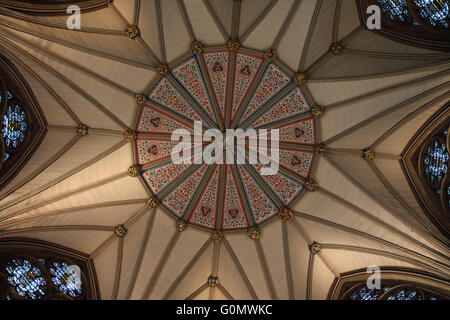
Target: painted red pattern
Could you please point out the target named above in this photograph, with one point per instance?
(179, 199)
(189, 74)
(165, 94)
(217, 66)
(160, 177)
(272, 82)
(155, 121)
(286, 189)
(246, 68)
(260, 204)
(150, 150)
(291, 105)
(298, 162)
(205, 210)
(234, 216)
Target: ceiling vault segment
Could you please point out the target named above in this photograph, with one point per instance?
(65, 195)
(12, 223)
(11, 25)
(162, 261)
(76, 88)
(32, 204)
(216, 20)
(258, 20)
(380, 222)
(359, 233)
(57, 180)
(36, 172)
(138, 264)
(312, 26)
(389, 110)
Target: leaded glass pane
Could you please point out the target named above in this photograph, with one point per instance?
(436, 12)
(14, 126)
(436, 161)
(65, 279)
(394, 9)
(26, 279)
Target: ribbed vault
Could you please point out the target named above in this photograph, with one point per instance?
(373, 95)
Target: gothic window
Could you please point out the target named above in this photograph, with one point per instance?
(436, 160)
(433, 162)
(44, 274)
(423, 23)
(22, 125)
(435, 12)
(52, 6)
(394, 9)
(393, 284)
(393, 291)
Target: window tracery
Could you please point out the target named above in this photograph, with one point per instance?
(44, 272)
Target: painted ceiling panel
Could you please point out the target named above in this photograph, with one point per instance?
(88, 190)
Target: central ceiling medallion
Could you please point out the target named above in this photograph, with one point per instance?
(225, 89)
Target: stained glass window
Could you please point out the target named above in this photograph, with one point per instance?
(66, 279)
(14, 126)
(394, 9)
(38, 278)
(26, 278)
(436, 160)
(436, 12)
(394, 291)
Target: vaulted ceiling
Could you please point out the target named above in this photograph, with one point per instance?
(75, 189)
